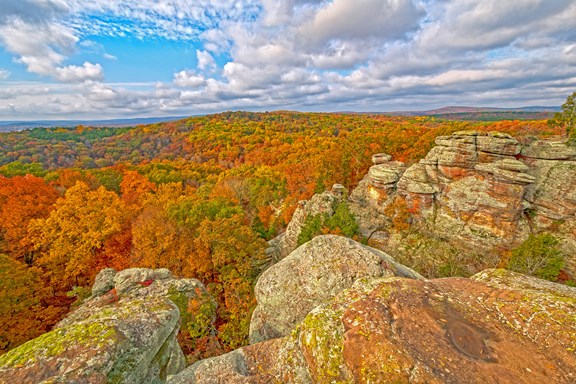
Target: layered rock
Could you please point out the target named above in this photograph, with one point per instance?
(124, 333)
(480, 189)
(311, 275)
(496, 327)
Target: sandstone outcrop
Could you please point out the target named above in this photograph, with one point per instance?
(496, 327)
(323, 203)
(481, 190)
(312, 274)
(124, 333)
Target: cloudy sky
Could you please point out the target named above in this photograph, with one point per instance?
(126, 58)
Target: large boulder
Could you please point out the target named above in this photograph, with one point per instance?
(124, 333)
(309, 276)
(496, 327)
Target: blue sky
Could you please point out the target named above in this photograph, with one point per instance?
(69, 59)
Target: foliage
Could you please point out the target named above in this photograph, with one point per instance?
(539, 255)
(435, 258)
(342, 222)
(566, 119)
(75, 230)
(22, 313)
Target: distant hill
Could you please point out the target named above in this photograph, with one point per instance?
(462, 109)
(7, 126)
(449, 113)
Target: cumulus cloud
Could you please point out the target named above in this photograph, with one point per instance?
(188, 79)
(42, 44)
(364, 55)
(84, 72)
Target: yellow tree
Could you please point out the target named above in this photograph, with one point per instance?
(70, 238)
(159, 242)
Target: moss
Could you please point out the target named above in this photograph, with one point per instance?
(52, 344)
(322, 336)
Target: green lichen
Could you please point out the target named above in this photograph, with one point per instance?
(94, 335)
(322, 337)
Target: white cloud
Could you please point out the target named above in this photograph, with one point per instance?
(298, 54)
(188, 79)
(4, 74)
(76, 74)
(361, 19)
(205, 61)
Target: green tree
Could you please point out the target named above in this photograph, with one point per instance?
(538, 256)
(567, 118)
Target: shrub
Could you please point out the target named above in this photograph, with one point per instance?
(342, 222)
(538, 256)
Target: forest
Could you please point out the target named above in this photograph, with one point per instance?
(200, 196)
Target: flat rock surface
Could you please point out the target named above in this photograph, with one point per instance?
(496, 327)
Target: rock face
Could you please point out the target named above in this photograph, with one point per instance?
(124, 333)
(480, 189)
(312, 274)
(496, 327)
(323, 203)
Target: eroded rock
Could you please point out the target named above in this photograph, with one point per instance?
(323, 203)
(124, 333)
(311, 275)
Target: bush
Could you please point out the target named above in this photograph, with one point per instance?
(341, 223)
(538, 256)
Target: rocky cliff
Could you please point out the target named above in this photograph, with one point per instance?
(124, 333)
(476, 190)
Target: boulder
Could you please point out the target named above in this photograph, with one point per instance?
(126, 334)
(496, 327)
(311, 275)
(385, 175)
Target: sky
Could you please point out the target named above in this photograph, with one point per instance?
(98, 59)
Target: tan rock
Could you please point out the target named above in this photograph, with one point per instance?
(126, 335)
(497, 327)
(312, 274)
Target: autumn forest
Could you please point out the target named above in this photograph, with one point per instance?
(199, 196)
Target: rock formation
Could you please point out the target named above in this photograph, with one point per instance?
(124, 333)
(323, 203)
(477, 190)
(312, 274)
(496, 327)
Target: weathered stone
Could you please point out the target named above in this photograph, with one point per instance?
(339, 191)
(387, 174)
(499, 144)
(126, 335)
(104, 282)
(380, 158)
(549, 150)
(553, 194)
(416, 180)
(497, 327)
(323, 203)
(507, 170)
(312, 274)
